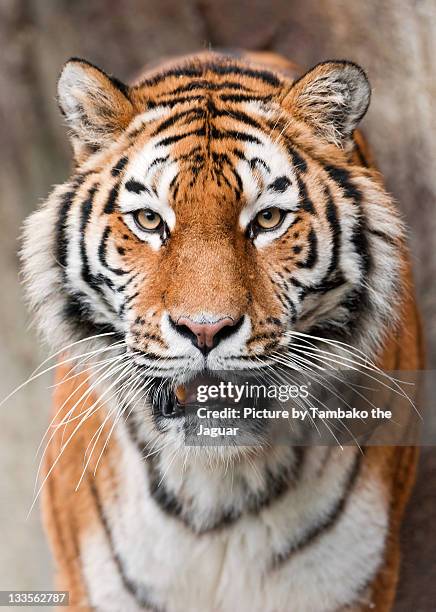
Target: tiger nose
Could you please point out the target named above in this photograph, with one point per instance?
(206, 336)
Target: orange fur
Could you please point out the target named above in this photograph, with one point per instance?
(69, 514)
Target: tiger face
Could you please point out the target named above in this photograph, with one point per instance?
(215, 218)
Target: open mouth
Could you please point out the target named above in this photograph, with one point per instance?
(170, 401)
(167, 401)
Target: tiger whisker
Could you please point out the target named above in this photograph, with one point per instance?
(121, 364)
(84, 382)
(82, 370)
(359, 359)
(45, 371)
(63, 423)
(68, 346)
(303, 400)
(275, 373)
(132, 384)
(308, 402)
(398, 390)
(83, 361)
(120, 412)
(96, 436)
(170, 463)
(349, 385)
(64, 445)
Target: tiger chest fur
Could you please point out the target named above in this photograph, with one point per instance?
(222, 216)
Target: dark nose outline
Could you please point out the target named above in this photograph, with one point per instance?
(206, 336)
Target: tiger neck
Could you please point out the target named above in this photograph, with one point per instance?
(206, 494)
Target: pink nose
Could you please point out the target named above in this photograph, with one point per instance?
(205, 335)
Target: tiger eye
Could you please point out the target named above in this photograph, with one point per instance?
(269, 218)
(148, 220)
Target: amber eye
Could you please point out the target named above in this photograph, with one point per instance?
(269, 219)
(148, 220)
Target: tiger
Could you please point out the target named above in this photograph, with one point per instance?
(223, 213)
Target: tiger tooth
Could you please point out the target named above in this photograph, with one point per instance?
(181, 394)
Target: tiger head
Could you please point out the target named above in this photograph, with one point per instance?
(216, 219)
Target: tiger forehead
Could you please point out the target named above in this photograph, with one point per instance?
(208, 95)
(225, 151)
(203, 74)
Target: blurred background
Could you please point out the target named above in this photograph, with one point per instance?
(394, 40)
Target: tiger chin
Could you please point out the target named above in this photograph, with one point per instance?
(223, 214)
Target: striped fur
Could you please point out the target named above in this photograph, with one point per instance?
(208, 142)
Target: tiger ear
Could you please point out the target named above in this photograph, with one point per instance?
(96, 107)
(332, 97)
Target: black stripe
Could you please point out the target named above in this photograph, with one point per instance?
(171, 102)
(177, 137)
(188, 156)
(360, 154)
(66, 201)
(110, 203)
(322, 287)
(312, 246)
(85, 217)
(130, 299)
(102, 254)
(303, 290)
(135, 186)
(335, 231)
(234, 135)
(262, 75)
(254, 161)
(290, 307)
(202, 84)
(276, 485)
(305, 202)
(181, 71)
(157, 161)
(359, 238)
(119, 166)
(280, 127)
(325, 525)
(94, 282)
(239, 154)
(78, 314)
(326, 285)
(190, 70)
(244, 98)
(138, 591)
(383, 236)
(61, 242)
(342, 178)
(219, 160)
(122, 288)
(174, 187)
(193, 113)
(298, 162)
(280, 184)
(360, 243)
(234, 114)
